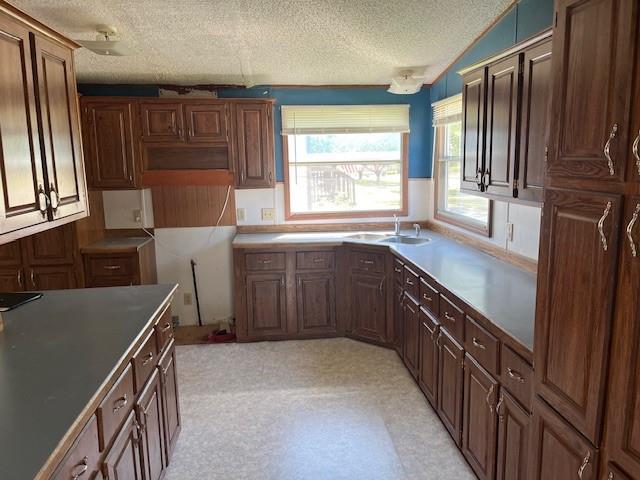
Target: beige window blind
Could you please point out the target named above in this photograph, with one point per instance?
(322, 119)
(448, 110)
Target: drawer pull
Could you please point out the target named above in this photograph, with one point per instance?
(80, 469)
(477, 343)
(397, 270)
(147, 359)
(489, 399)
(409, 282)
(112, 267)
(449, 317)
(585, 462)
(318, 260)
(265, 262)
(515, 375)
(367, 262)
(167, 326)
(121, 403)
(427, 297)
(499, 409)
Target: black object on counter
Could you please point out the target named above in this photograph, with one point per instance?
(9, 301)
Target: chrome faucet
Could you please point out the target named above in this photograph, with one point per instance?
(396, 228)
(417, 227)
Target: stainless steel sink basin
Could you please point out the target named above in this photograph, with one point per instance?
(407, 240)
(372, 237)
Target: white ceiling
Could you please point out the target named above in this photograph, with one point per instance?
(296, 42)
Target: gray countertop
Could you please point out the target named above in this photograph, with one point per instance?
(55, 354)
(503, 293)
(112, 244)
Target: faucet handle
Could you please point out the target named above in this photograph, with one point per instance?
(417, 227)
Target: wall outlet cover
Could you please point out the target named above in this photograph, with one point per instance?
(268, 214)
(241, 214)
(137, 216)
(187, 298)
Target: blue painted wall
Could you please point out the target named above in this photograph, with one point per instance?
(420, 140)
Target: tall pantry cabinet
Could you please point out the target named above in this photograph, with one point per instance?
(586, 420)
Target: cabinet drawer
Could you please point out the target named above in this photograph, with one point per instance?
(115, 407)
(482, 345)
(429, 297)
(315, 260)
(411, 283)
(398, 271)
(145, 360)
(452, 317)
(110, 266)
(517, 376)
(82, 460)
(164, 330)
(367, 261)
(265, 261)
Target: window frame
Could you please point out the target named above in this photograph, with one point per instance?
(447, 216)
(402, 211)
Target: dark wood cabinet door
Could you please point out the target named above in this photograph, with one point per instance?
(428, 368)
(59, 277)
(83, 458)
(124, 460)
(536, 102)
(623, 415)
(316, 301)
(266, 304)
(20, 158)
(473, 121)
(12, 279)
(109, 145)
(206, 123)
(398, 319)
(411, 329)
(161, 122)
(11, 254)
(450, 384)
(513, 438)
(60, 121)
(170, 399)
(51, 247)
(152, 432)
(254, 150)
(576, 280)
(502, 115)
(368, 306)
(592, 43)
(558, 451)
(479, 431)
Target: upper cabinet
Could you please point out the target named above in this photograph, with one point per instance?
(254, 139)
(42, 181)
(505, 112)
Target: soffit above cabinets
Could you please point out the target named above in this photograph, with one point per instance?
(315, 42)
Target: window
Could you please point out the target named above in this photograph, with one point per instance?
(453, 206)
(345, 161)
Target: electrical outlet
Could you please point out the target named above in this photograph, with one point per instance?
(510, 231)
(241, 214)
(137, 216)
(187, 298)
(268, 214)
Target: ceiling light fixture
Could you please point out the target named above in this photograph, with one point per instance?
(406, 83)
(104, 44)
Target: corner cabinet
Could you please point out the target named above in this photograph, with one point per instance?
(43, 180)
(505, 109)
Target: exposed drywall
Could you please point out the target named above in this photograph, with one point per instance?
(122, 207)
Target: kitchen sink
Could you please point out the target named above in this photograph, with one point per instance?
(407, 240)
(372, 237)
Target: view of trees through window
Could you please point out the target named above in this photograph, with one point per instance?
(352, 172)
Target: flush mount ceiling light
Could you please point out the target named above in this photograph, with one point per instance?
(406, 83)
(105, 44)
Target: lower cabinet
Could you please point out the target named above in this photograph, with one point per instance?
(411, 343)
(450, 384)
(513, 438)
(368, 312)
(151, 421)
(59, 277)
(124, 460)
(428, 363)
(479, 432)
(316, 301)
(170, 399)
(398, 319)
(558, 450)
(266, 304)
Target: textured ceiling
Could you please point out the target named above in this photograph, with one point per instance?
(294, 42)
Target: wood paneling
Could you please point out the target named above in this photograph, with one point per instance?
(579, 246)
(192, 206)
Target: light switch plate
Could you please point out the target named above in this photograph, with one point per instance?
(268, 214)
(187, 298)
(241, 214)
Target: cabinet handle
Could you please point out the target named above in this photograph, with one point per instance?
(20, 277)
(282, 281)
(632, 223)
(318, 260)
(409, 282)
(41, 194)
(611, 476)
(427, 297)
(265, 262)
(412, 310)
(167, 326)
(397, 270)
(53, 192)
(381, 284)
(585, 462)
(634, 148)
(479, 179)
(80, 469)
(603, 237)
(489, 394)
(477, 343)
(607, 149)
(449, 317)
(367, 262)
(33, 280)
(515, 375)
(433, 335)
(499, 409)
(439, 341)
(121, 403)
(148, 359)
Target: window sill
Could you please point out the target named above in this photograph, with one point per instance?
(461, 223)
(345, 215)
